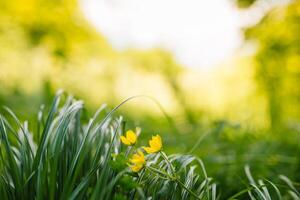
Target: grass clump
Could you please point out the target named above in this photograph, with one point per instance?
(68, 159)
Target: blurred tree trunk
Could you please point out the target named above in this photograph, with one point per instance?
(171, 76)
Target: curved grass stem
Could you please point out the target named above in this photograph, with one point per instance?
(158, 173)
(187, 189)
(171, 177)
(169, 162)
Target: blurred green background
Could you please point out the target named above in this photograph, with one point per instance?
(246, 111)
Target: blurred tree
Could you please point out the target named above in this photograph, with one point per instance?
(278, 58)
(48, 44)
(57, 25)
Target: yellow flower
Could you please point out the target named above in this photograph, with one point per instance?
(138, 158)
(136, 168)
(155, 145)
(138, 161)
(130, 138)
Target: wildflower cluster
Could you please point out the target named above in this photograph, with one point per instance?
(138, 161)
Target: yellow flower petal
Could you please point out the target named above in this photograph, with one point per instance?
(124, 140)
(149, 150)
(131, 136)
(138, 158)
(136, 168)
(155, 145)
(138, 161)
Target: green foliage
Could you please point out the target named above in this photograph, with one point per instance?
(68, 159)
(264, 189)
(119, 162)
(72, 160)
(191, 173)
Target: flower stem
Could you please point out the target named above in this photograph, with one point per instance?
(158, 173)
(187, 189)
(172, 178)
(168, 161)
(129, 150)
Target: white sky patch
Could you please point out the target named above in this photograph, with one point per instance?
(199, 33)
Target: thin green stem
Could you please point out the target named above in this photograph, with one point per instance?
(129, 150)
(187, 189)
(172, 178)
(169, 162)
(157, 173)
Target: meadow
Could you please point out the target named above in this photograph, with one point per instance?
(67, 157)
(83, 119)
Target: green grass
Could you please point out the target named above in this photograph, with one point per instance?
(69, 157)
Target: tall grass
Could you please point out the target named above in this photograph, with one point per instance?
(72, 160)
(66, 158)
